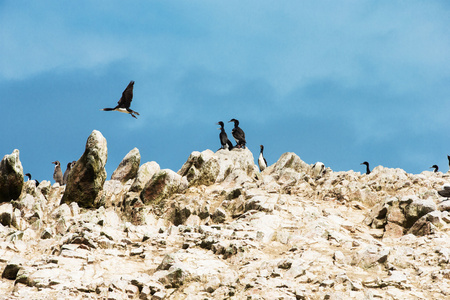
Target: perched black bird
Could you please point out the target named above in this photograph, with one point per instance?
(261, 160)
(436, 168)
(448, 157)
(445, 192)
(29, 178)
(125, 101)
(367, 167)
(57, 173)
(224, 141)
(66, 173)
(238, 134)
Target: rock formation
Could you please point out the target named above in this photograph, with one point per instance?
(11, 177)
(88, 175)
(128, 167)
(219, 229)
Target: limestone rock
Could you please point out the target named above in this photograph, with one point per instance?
(162, 185)
(288, 160)
(144, 174)
(11, 177)
(88, 175)
(12, 267)
(6, 214)
(207, 168)
(128, 167)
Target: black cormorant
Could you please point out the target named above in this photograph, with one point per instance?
(261, 160)
(57, 173)
(448, 157)
(223, 137)
(367, 167)
(436, 168)
(29, 178)
(238, 134)
(125, 101)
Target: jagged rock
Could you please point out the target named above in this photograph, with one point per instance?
(206, 168)
(88, 175)
(162, 185)
(144, 174)
(416, 208)
(288, 160)
(128, 167)
(219, 215)
(12, 267)
(6, 214)
(11, 177)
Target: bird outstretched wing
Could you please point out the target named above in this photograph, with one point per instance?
(127, 96)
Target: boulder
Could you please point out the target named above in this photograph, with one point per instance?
(162, 185)
(6, 214)
(288, 160)
(11, 177)
(144, 174)
(88, 175)
(416, 208)
(207, 168)
(128, 167)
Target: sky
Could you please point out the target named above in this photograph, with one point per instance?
(339, 82)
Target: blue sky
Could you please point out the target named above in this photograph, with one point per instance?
(333, 81)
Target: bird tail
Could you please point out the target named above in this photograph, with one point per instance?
(230, 145)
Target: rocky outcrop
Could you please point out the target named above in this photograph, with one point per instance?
(221, 230)
(144, 174)
(128, 167)
(88, 175)
(11, 177)
(206, 168)
(163, 184)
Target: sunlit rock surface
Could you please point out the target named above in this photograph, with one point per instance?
(219, 229)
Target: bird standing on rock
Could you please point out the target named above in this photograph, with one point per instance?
(224, 141)
(29, 178)
(445, 192)
(436, 168)
(57, 173)
(125, 102)
(261, 160)
(66, 173)
(238, 134)
(367, 167)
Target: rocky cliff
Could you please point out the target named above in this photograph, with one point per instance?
(219, 229)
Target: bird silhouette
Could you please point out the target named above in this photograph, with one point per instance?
(125, 102)
(224, 141)
(238, 134)
(367, 167)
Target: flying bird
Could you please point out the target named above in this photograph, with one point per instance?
(29, 178)
(224, 141)
(261, 160)
(125, 102)
(436, 168)
(238, 134)
(57, 173)
(367, 167)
